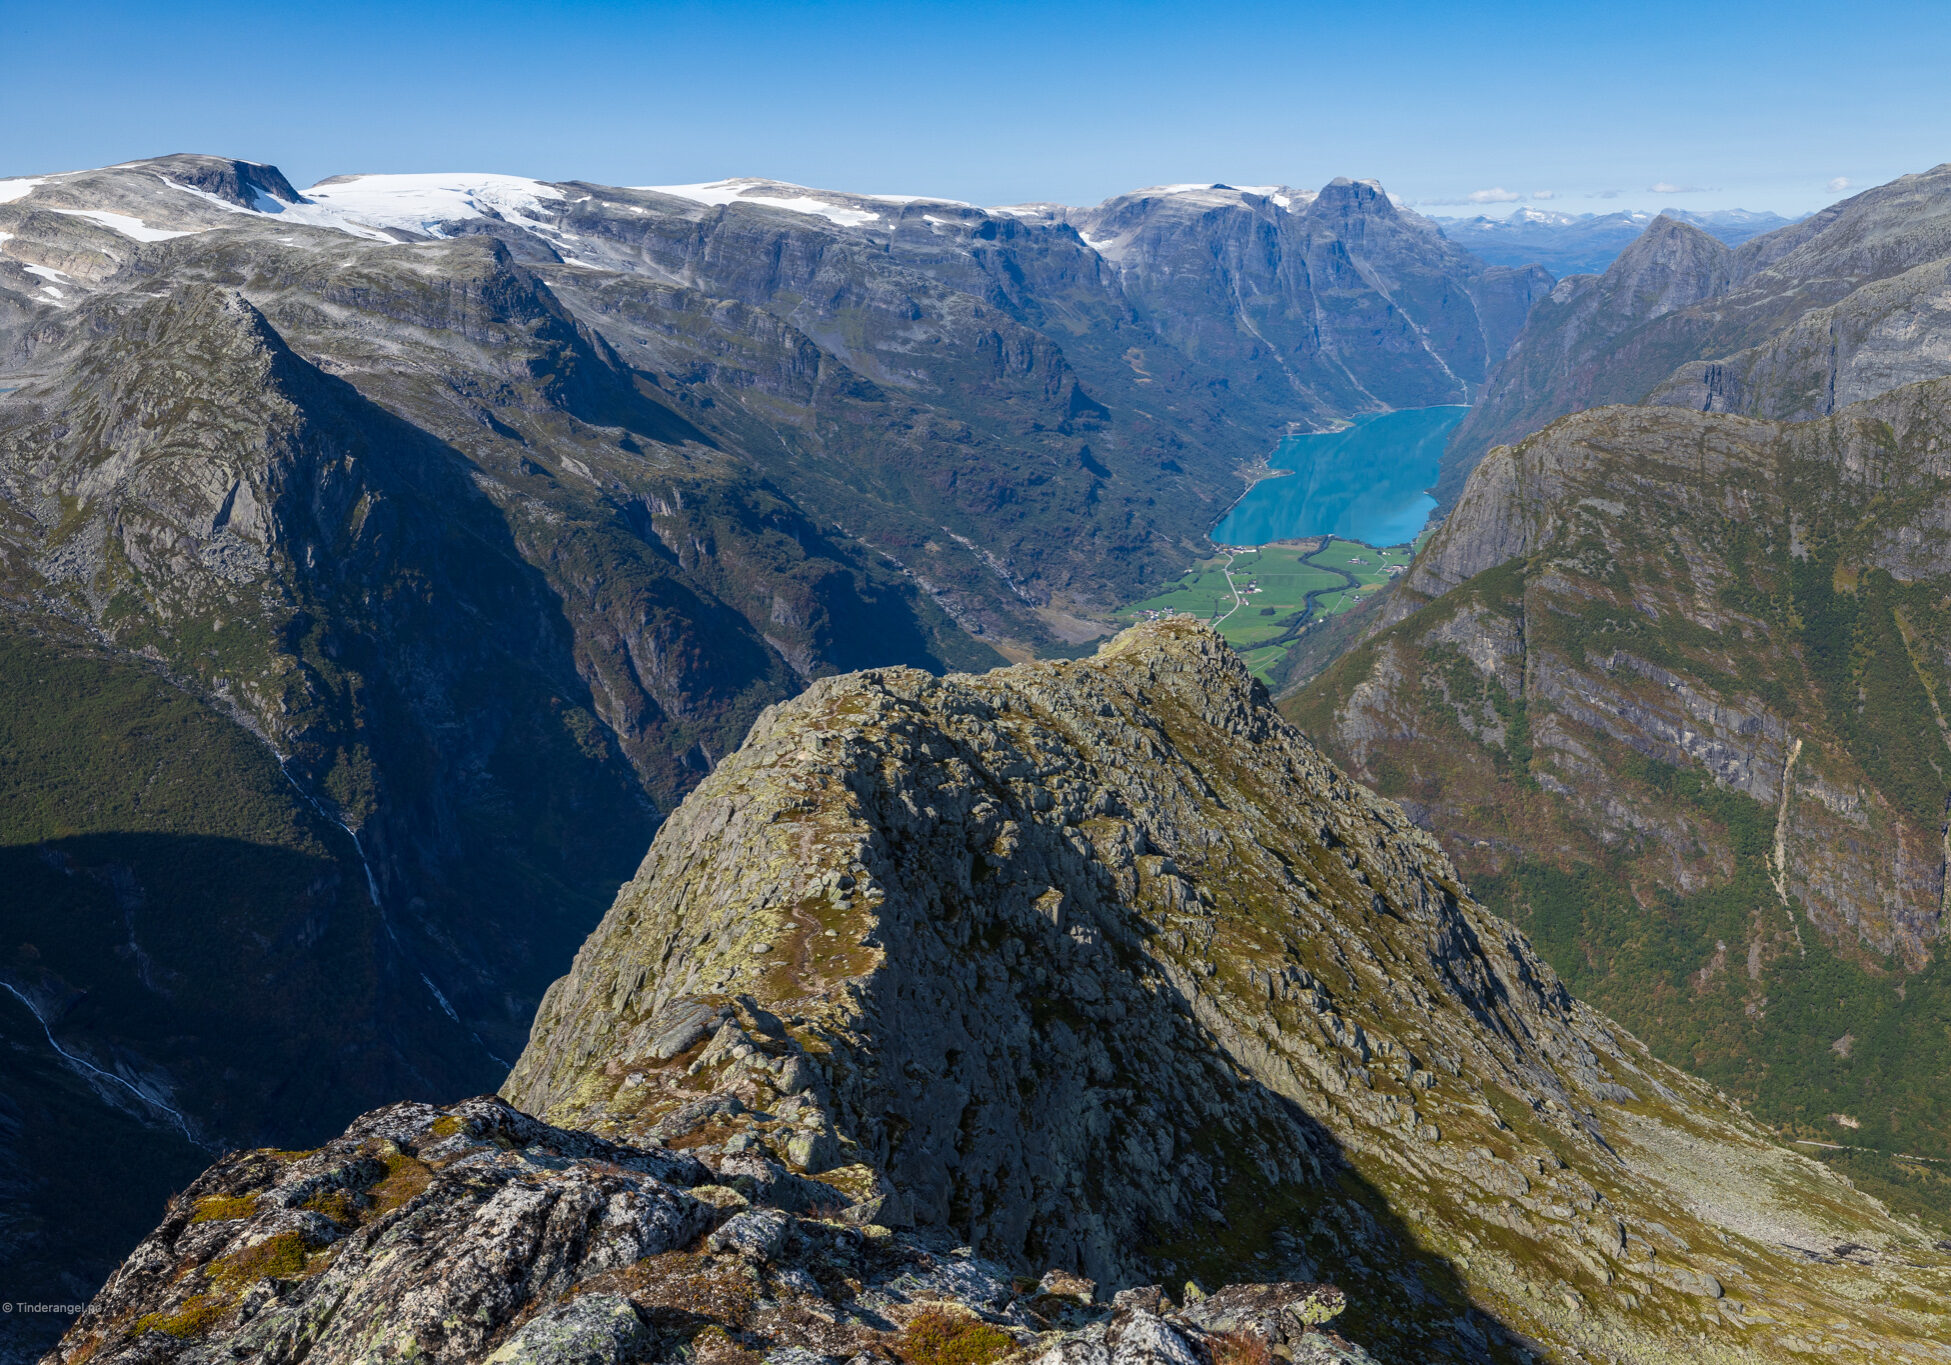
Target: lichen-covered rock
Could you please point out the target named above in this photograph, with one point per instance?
(1275, 1313)
(475, 1234)
(419, 1232)
(589, 1329)
(758, 1233)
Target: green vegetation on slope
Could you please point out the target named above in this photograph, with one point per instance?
(1724, 983)
(1824, 1037)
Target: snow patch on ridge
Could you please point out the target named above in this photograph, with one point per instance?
(125, 224)
(11, 190)
(420, 204)
(376, 207)
(718, 193)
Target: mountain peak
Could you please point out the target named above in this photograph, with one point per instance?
(1671, 265)
(1022, 916)
(243, 183)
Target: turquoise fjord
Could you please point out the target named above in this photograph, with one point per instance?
(1365, 482)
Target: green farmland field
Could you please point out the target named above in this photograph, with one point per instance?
(1274, 582)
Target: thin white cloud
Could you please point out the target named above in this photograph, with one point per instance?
(1668, 187)
(1496, 195)
(1839, 184)
(1544, 194)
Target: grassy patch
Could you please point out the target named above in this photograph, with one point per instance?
(715, 1346)
(219, 1208)
(188, 1319)
(275, 1258)
(939, 1337)
(1240, 1348)
(338, 1205)
(1275, 582)
(405, 1178)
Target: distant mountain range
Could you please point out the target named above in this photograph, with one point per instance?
(1839, 307)
(1586, 243)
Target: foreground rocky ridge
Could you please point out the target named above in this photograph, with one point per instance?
(1101, 964)
(474, 1233)
(1102, 970)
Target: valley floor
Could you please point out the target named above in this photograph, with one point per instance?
(1260, 599)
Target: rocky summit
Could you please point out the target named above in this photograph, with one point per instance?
(947, 1009)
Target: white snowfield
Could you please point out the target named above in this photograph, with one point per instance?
(420, 204)
(124, 224)
(720, 192)
(410, 208)
(1218, 193)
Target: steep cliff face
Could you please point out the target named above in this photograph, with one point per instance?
(1670, 686)
(1793, 324)
(1336, 296)
(1886, 334)
(1588, 342)
(1102, 965)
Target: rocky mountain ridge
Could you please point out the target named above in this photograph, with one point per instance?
(1587, 243)
(1098, 968)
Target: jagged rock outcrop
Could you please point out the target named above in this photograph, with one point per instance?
(475, 1234)
(1664, 664)
(1793, 324)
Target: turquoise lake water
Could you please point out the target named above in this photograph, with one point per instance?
(1364, 482)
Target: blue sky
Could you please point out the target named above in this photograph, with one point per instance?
(1704, 105)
